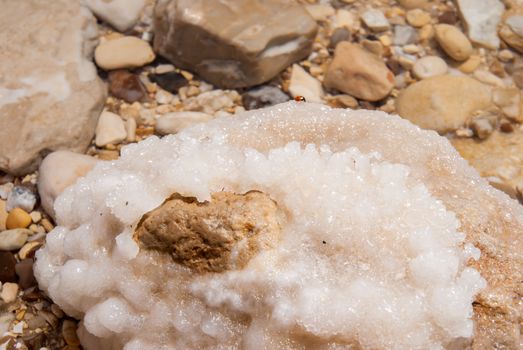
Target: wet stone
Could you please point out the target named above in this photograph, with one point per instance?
(126, 86)
(170, 81)
(7, 267)
(263, 96)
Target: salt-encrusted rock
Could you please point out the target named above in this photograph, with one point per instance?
(110, 129)
(13, 239)
(58, 171)
(172, 123)
(121, 14)
(263, 96)
(50, 94)
(186, 229)
(481, 20)
(443, 103)
(304, 84)
(233, 43)
(511, 32)
(21, 197)
(375, 20)
(124, 52)
(388, 238)
(453, 42)
(359, 73)
(429, 66)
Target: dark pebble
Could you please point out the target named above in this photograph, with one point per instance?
(339, 35)
(24, 270)
(394, 66)
(7, 267)
(448, 17)
(170, 81)
(263, 96)
(126, 86)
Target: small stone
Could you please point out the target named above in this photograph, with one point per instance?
(481, 20)
(263, 96)
(359, 73)
(172, 123)
(516, 24)
(375, 20)
(426, 33)
(497, 68)
(404, 35)
(9, 292)
(448, 17)
(443, 103)
(18, 218)
(163, 97)
(164, 68)
(320, 12)
(344, 19)
(506, 126)
(69, 333)
(339, 35)
(28, 250)
(126, 86)
(5, 189)
(110, 129)
(13, 239)
(212, 101)
(511, 32)
(342, 101)
(3, 215)
(121, 14)
(24, 270)
(488, 78)
(7, 267)
(505, 55)
(373, 46)
(36, 216)
(429, 66)
(123, 53)
(414, 4)
(58, 171)
(47, 225)
(482, 128)
(509, 100)
(303, 84)
(130, 129)
(418, 18)
(171, 81)
(453, 42)
(470, 65)
(21, 197)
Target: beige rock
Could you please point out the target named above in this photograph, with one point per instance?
(3, 215)
(481, 20)
(344, 19)
(453, 42)
(418, 18)
(233, 43)
(375, 20)
(482, 128)
(414, 4)
(359, 73)
(213, 101)
(110, 129)
(186, 229)
(58, 171)
(488, 78)
(509, 100)
(125, 52)
(9, 292)
(13, 239)
(470, 65)
(172, 123)
(429, 66)
(304, 84)
(443, 103)
(320, 12)
(511, 31)
(121, 14)
(50, 95)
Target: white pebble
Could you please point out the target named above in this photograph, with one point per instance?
(110, 129)
(429, 66)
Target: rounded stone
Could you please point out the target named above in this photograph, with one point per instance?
(13, 239)
(18, 218)
(125, 52)
(453, 42)
(429, 66)
(418, 18)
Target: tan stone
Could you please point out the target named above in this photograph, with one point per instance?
(359, 73)
(509, 101)
(50, 94)
(453, 42)
(186, 229)
(418, 18)
(18, 218)
(414, 4)
(233, 43)
(125, 52)
(470, 65)
(3, 215)
(511, 38)
(443, 103)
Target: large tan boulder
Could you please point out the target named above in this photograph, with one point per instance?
(233, 43)
(50, 94)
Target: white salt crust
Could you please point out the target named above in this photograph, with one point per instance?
(368, 257)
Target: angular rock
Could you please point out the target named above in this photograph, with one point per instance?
(172, 123)
(58, 171)
(404, 35)
(442, 103)
(50, 95)
(375, 20)
(418, 18)
(263, 96)
(233, 43)
(121, 14)
(9, 292)
(110, 129)
(453, 42)
(126, 86)
(186, 229)
(304, 84)
(21, 197)
(359, 73)
(170, 81)
(125, 52)
(481, 20)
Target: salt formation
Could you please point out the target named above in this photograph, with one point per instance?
(375, 249)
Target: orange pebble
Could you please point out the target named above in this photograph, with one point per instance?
(18, 218)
